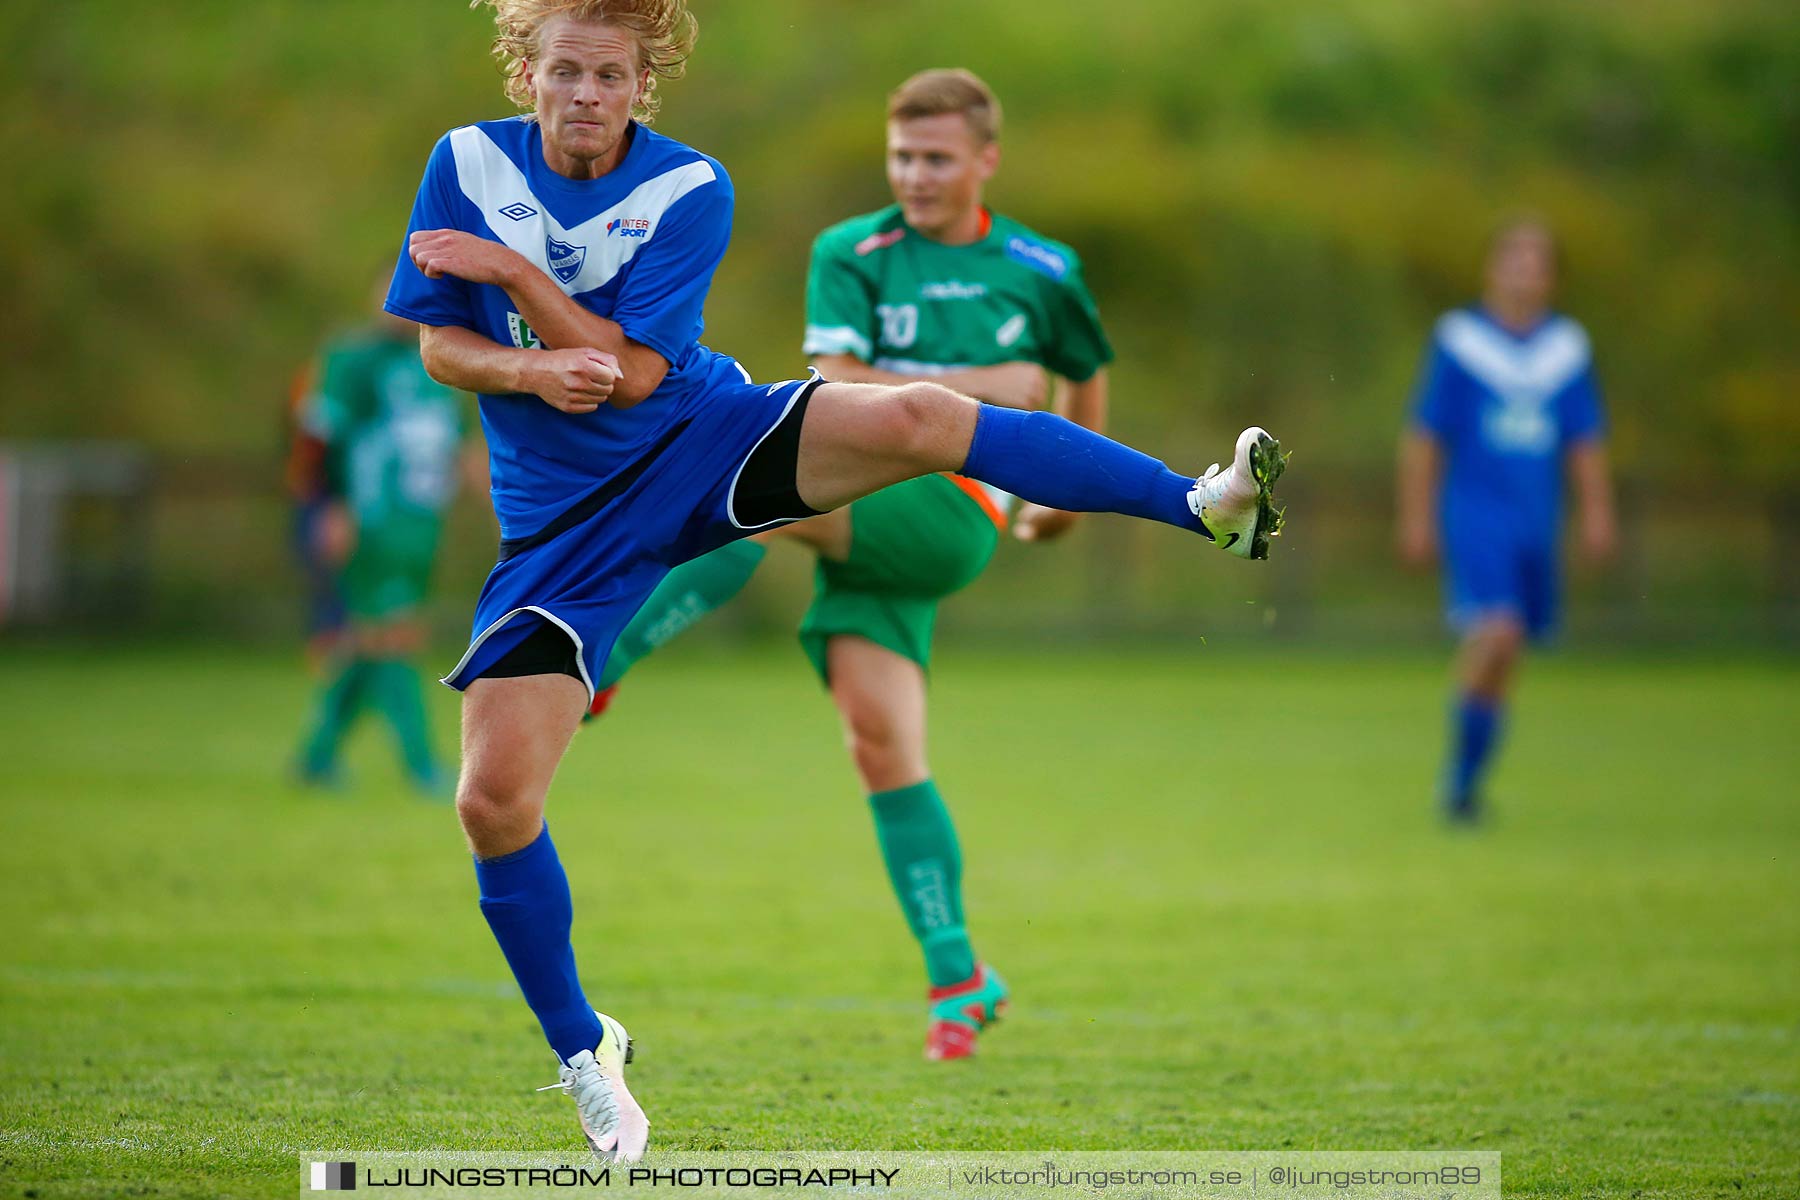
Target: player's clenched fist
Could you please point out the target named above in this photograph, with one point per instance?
(441, 252)
(573, 381)
(1012, 385)
(1035, 523)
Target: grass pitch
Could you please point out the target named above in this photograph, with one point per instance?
(1223, 931)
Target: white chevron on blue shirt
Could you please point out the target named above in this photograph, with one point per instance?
(1537, 367)
(492, 181)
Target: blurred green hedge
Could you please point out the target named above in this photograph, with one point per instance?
(1273, 200)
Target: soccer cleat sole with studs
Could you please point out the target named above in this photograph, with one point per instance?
(1267, 463)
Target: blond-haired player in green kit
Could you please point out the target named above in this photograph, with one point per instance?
(934, 286)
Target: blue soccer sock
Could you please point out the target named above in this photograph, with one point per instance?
(1477, 733)
(1054, 462)
(525, 898)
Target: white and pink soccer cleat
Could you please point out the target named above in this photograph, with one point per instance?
(1236, 504)
(612, 1119)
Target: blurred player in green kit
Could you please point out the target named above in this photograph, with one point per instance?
(391, 438)
(936, 287)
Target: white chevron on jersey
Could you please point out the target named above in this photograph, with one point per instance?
(1537, 368)
(493, 182)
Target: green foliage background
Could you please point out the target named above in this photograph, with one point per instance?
(1273, 199)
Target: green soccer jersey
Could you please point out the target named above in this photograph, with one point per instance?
(904, 303)
(391, 431)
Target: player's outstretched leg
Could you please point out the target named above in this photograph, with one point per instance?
(861, 437)
(1055, 462)
(514, 733)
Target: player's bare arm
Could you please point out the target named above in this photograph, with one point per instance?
(558, 321)
(571, 381)
(1415, 492)
(1085, 403)
(1010, 384)
(1591, 477)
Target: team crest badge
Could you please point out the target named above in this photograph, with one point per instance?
(565, 260)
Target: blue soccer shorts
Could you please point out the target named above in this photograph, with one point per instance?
(1495, 575)
(725, 469)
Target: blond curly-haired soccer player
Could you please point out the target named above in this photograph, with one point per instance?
(558, 263)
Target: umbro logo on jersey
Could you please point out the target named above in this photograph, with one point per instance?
(565, 260)
(518, 210)
(628, 227)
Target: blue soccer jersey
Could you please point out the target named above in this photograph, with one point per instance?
(1505, 407)
(596, 507)
(638, 245)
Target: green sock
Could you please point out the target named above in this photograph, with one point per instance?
(924, 863)
(686, 594)
(395, 689)
(339, 702)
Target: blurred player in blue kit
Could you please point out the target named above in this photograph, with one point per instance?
(1507, 405)
(558, 263)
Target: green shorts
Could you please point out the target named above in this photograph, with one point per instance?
(389, 572)
(911, 545)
